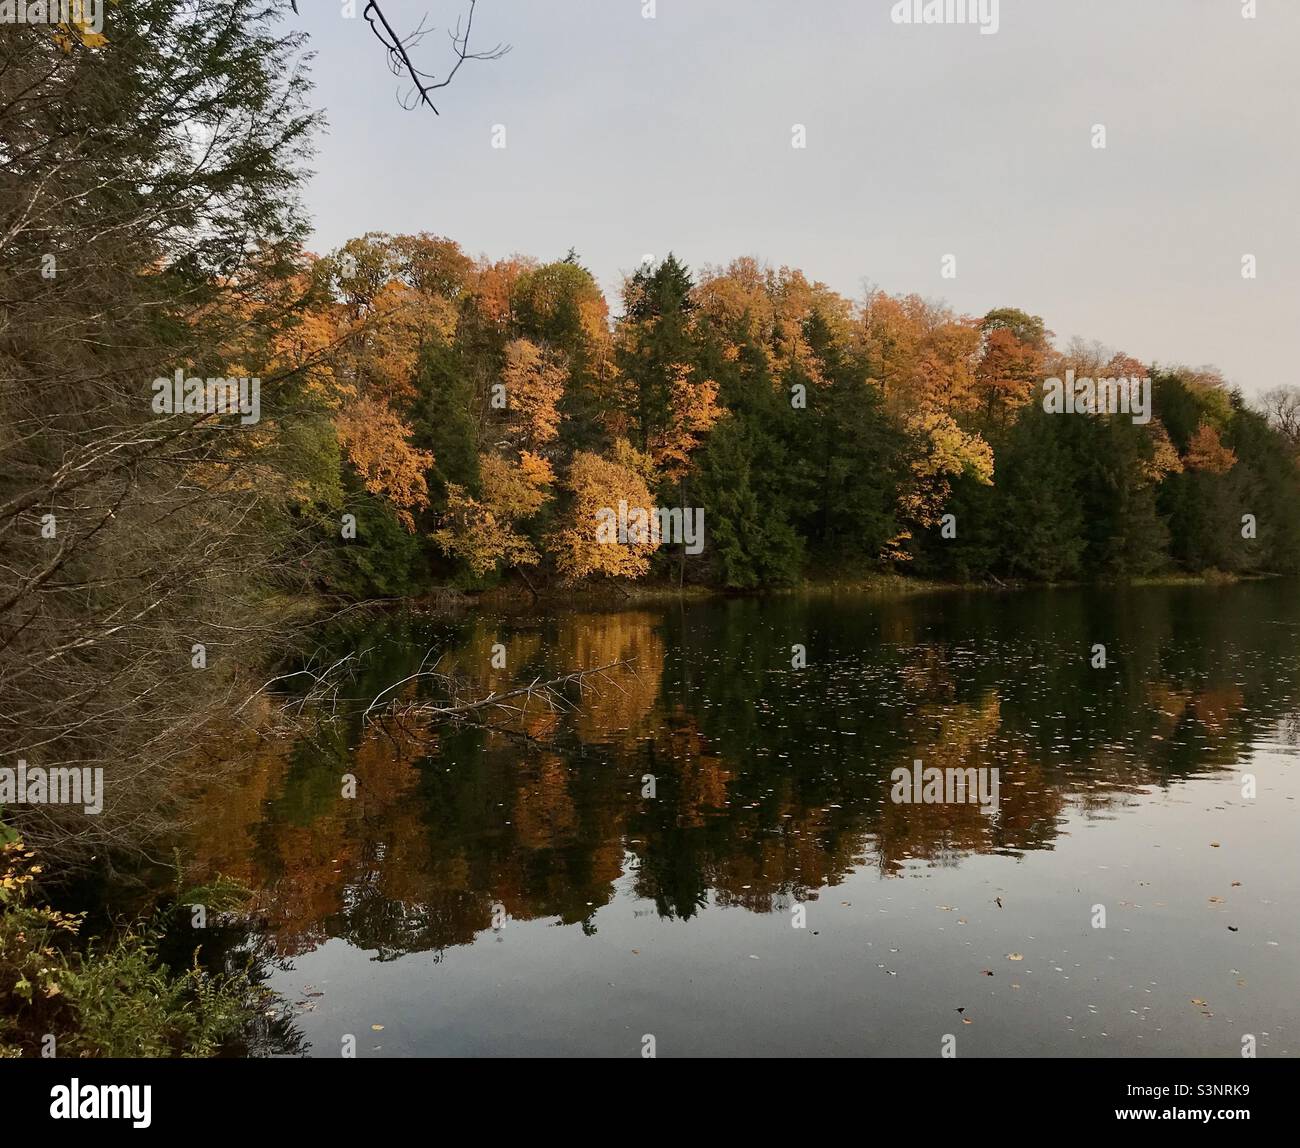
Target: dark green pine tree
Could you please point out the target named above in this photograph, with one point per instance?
(444, 422)
(745, 476)
(848, 453)
(1268, 488)
(1041, 517)
(750, 541)
(1124, 532)
(658, 305)
(973, 553)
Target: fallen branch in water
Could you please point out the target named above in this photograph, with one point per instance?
(550, 693)
(325, 684)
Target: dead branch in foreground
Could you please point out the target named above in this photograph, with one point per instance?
(399, 48)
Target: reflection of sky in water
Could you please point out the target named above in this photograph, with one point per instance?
(673, 916)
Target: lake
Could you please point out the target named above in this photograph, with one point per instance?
(706, 854)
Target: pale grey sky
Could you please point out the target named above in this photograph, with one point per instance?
(629, 136)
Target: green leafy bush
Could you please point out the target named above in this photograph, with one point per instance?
(116, 997)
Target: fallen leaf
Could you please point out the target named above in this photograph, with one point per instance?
(1015, 956)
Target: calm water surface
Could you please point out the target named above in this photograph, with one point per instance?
(674, 915)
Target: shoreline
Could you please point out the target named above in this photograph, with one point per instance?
(885, 585)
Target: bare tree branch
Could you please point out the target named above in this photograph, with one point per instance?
(550, 693)
(399, 59)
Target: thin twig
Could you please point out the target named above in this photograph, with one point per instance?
(399, 59)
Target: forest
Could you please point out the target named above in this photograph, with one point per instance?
(492, 407)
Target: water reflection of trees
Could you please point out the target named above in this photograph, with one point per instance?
(771, 783)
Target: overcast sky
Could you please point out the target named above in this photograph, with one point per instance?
(628, 136)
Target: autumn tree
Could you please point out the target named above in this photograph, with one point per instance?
(534, 385)
(483, 531)
(1009, 369)
(597, 485)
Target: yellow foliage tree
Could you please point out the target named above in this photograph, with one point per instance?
(534, 382)
(598, 486)
(693, 411)
(378, 444)
(1164, 455)
(942, 451)
(482, 531)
